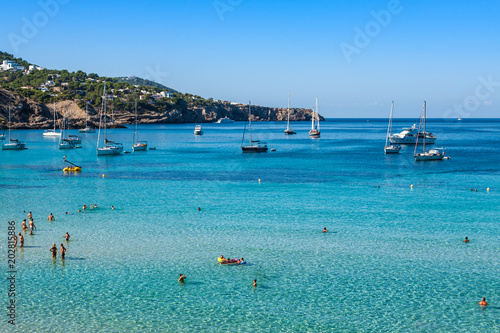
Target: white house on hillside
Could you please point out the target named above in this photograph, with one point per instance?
(10, 65)
(166, 94)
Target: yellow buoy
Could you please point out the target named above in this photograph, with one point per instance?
(411, 185)
(488, 189)
(259, 180)
(103, 175)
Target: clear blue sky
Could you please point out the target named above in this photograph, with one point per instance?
(445, 52)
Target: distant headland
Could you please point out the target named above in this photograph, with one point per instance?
(33, 92)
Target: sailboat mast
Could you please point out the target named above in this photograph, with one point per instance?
(250, 120)
(389, 128)
(9, 123)
(105, 114)
(135, 128)
(288, 111)
(54, 117)
(317, 114)
(425, 111)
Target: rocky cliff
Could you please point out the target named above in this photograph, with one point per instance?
(26, 113)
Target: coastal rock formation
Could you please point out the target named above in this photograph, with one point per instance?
(26, 113)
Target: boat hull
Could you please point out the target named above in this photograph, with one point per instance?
(139, 147)
(289, 132)
(254, 149)
(86, 130)
(392, 149)
(314, 134)
(110, 150)
(412, 140)
(13, 146)
(198, 132)
(66, 146)
(51, 133)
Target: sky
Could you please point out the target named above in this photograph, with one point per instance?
(354, 56)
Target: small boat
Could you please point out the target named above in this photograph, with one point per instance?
(109, 147)
(431, 155)
(52, 132)
(225, 120)
(75, 139)
(72, 167)
(13, 144)
(391, 149)
(459, 119)
(87, 129)
(255, 146)
(289, 131)
(198, 130)
(315, 131)
(138, 145)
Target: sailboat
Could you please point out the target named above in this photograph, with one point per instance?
(391, 149)
(289, 131)
(87, 129)
(109, 147)
(52, 132)
(255, 146)
(65, 143)
(315, 131)
(138, 145)
(13, 144)
(74, 139)
(431, 155)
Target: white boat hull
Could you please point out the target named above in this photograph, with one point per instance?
(140, 147)
(86, 130)
(51, 133)
(14, 146)
(411, 140)
(392, 149)
(109, 150)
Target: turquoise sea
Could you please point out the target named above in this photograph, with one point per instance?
(393, 260)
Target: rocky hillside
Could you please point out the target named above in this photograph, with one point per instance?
(26, 113)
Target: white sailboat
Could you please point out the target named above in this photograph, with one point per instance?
(289, 131)
(52, 132)
(391, 149)
(13, 144)
(65, 143)
(138, 145)
(255, 146)
(87, 129)
(109, 147)
(432, 154)
(315, 131)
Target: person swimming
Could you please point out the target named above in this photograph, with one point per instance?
(254, 283)
(466, 239)
(324, 230)
(483, 302)
(182, 277)
(84, 206)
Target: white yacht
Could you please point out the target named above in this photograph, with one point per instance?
(315, 131)
(198, 130)
(409, 136)
(225, 120)
(391, 149)
(109, 147)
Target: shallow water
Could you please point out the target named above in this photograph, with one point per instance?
(393, 260)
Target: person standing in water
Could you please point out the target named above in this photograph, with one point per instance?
(483, 302)
(182, 277)
(254, 283)
(63, 251)
(23, 225)
(51, 217)
(324, 230)
(66, 237)
(53, 249)
(32, 225)
(21, 240)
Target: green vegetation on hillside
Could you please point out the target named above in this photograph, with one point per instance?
(47, 86)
